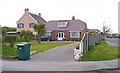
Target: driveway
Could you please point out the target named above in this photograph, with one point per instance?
(58, 54)
(113, 41)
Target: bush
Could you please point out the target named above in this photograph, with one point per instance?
(26, 36)
(11, 40)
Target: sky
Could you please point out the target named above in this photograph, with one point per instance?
(93, 12)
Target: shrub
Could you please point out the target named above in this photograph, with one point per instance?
(26, 36)
(11, 40)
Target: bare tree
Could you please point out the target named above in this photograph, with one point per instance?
(106, 30)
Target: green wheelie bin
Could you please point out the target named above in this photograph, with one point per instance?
(23, 51)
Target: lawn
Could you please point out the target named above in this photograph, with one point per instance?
(35, 46)
(43, 46)
(101, 51)
(8, 51)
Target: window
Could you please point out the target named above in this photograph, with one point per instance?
(62, 24)
(31, 25)
(20, 25)
(74, 34)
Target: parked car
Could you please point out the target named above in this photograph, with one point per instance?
(46, 38)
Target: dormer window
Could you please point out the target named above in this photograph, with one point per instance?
(31, 25)
(20, 25)
(62, 24)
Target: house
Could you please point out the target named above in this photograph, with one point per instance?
(27, 21)
(69, 30)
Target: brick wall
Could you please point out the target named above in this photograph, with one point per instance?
(55, 32)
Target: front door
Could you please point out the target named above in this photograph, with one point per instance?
(61, 36)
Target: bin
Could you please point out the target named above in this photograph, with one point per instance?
(23, 51)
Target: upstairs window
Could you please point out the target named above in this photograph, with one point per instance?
(31, 25)
(62, 24)
(20, 25)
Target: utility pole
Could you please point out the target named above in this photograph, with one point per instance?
(104, 30)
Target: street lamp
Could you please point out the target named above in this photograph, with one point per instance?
(103, 27)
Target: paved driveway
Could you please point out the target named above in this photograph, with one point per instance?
(59, 54)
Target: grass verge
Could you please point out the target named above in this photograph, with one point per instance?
(100, 52)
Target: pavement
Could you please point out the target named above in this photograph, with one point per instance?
(58, 66)
(57, 59)
(0, 64)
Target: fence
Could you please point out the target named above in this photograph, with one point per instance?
(88, 40)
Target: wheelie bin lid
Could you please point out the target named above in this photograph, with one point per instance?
(25, 43)
(20, 44)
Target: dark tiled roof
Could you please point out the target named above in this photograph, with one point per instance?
(37, 18)
(73, 25)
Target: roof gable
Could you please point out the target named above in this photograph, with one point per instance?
(37, 18)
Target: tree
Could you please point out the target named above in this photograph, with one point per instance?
(106, 30)
(10, 39)
(40, 29)
(26, 36)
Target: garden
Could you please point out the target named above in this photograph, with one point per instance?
(9, 42)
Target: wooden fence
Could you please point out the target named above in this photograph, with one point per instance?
(88, 40)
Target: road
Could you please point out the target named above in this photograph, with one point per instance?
(113, 41)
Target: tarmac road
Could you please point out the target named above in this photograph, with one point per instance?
(113, 41)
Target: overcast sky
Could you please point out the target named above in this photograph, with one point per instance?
(93, 12)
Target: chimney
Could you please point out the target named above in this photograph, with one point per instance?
(26, 10)
(73, 17)
(39, 14)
